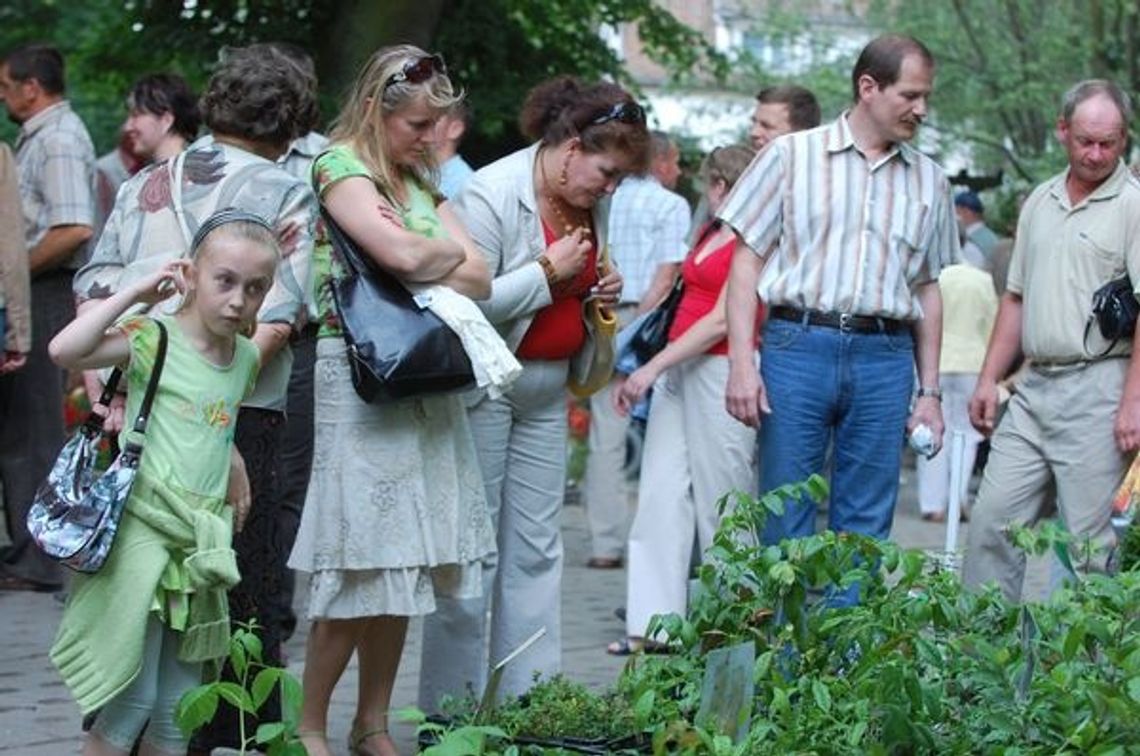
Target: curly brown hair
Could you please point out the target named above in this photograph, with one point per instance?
(260, 94)
(565, 107)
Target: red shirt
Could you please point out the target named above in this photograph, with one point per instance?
(703, 283)
(557, 331)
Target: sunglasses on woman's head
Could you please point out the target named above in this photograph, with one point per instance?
(418, 71)
(623, 112)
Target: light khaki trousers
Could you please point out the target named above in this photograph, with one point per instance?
(1057, 429)
(695, 452)
(606, 490)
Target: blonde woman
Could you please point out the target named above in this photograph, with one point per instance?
(694, 450)
(395, 513)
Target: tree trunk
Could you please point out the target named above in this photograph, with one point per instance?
(359, 27)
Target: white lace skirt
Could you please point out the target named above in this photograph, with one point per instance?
(395, 513)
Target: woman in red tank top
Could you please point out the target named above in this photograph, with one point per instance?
(694, 450)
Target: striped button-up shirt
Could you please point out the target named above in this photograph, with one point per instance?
(648, 227)
(842, 234)
(57, 172)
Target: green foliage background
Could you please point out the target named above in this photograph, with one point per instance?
(496, 49)
(1002, 64)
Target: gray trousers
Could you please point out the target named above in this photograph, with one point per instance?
(1057, 430)
(31, 428)
(521, 442)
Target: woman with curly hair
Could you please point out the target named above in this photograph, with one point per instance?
(395, 514)
(539, 217)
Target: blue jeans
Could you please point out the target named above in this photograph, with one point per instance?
(828, 385)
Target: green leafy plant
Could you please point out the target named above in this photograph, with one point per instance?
(559, 707)
(553, 708)
(1129, 549)
(918, 665)
(255, 683)
(449, 739)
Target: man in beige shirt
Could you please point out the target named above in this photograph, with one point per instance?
(1075, 420)
(15, 313)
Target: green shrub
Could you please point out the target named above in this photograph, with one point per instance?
(919, 665)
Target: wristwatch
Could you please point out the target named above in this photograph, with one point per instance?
(931, 391)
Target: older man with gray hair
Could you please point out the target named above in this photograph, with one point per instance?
(1075, 420)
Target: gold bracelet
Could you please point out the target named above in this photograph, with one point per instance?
(547, 268)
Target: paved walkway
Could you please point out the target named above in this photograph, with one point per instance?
(39, 718)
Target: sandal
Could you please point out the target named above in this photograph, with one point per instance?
(303, 735)
(629, 646)
(356, 741)
(604, 563)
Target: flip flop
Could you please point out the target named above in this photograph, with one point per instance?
(629, 646)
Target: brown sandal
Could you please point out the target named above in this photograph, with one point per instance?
(356, 740)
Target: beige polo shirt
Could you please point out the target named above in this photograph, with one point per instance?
(1063, 254)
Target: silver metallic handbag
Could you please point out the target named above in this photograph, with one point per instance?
(75, 514)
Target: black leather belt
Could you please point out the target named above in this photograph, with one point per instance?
(841, 320)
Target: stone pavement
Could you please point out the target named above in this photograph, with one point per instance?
(39, 718)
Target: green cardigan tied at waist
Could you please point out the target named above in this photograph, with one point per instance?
(98, 649)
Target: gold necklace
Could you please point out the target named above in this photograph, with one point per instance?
(555, 203)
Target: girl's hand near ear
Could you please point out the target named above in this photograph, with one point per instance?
(162, 284)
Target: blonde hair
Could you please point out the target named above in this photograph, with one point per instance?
(242, 223)
(242, 230)
(232, 224)
(726, 164)
(359, 127)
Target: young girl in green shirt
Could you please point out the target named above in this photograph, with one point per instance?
(135, 634)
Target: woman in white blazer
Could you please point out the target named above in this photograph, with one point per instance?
(539, 215)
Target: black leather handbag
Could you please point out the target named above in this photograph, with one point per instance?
(1114, 310)
(652, 334)
(396, 349)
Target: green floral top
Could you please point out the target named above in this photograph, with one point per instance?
(419, 216)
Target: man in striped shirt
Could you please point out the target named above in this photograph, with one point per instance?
(842, 232)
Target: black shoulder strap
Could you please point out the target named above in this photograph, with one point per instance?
(1088, 327)
(93, 426)
(353, 259)
(152, 384)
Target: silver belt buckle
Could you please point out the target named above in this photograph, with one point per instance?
(845, 321)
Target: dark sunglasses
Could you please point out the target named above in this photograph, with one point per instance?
(623, 112)
(418, 71)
